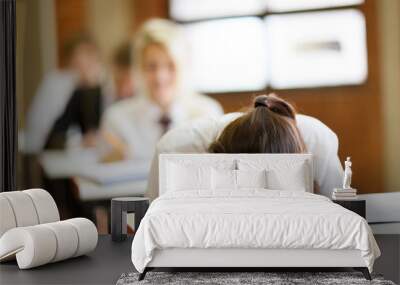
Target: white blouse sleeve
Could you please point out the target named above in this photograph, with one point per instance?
(323, 144)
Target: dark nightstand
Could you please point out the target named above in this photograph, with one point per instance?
(120, 207)
(357, 206)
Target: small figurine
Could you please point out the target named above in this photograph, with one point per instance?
(346, 192)
(347, 174)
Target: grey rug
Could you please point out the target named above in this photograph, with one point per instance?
(268, 278)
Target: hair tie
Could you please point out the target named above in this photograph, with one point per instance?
(260, 104)
(261, 101)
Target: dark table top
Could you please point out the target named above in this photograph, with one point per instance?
(102, 266)
(110, 259)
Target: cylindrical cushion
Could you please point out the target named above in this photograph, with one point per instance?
(7, 218)
(23, 208)
(33, 246)
(87, 235)
(45, 205)
(41, 244)
(67, 240)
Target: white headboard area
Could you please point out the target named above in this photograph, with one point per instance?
(283, 164)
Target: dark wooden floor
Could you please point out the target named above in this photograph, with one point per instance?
(110, 260)
(103, 266)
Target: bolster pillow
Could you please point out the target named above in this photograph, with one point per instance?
(26, 208)
(40, 244)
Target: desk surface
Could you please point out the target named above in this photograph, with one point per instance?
(111, 259)
(60, 164)
(90, 191)
(95, 180)
(102, 266)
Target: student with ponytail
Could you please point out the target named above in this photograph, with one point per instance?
(271, 125)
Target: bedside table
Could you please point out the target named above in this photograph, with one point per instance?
(119, 209)
(356, 206)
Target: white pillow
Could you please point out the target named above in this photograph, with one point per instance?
(223, 179)
(294, 178)
(251, 178)
(281, 174)
(227, 179)
(184, 177)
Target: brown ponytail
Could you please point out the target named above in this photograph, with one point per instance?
(269, 127)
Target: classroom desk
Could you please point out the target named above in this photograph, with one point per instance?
(64, 164)
(85, 171)
(83, 186)
(91, 191)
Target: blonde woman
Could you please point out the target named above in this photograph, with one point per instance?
(165, 98)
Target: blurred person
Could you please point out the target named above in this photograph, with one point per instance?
(122, 69)
(67, 98)
(164, 99)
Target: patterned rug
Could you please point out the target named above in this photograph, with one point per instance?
(268, 278)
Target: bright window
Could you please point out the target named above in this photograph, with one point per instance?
(226, 57)
(254, 44)
(295, 5)
(317, 49)
(191, 10)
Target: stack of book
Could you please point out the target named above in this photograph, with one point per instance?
(344, 194)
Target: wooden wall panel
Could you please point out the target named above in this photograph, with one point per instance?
(146, 9)
(71, 19)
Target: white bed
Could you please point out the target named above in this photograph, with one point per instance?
(236, 210)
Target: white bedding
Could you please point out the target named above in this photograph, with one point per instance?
(250, 219)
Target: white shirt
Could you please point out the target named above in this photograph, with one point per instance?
(48, 104)
(136, 120)
(196, 137)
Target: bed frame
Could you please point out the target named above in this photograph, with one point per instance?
(234, 259)
(249, 259)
